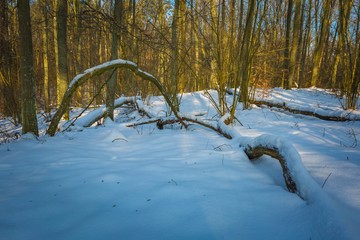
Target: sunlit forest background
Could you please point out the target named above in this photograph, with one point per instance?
(189, 45)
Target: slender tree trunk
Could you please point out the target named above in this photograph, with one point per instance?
(175, 55)
(45, 56)
(62, 50)
(195, 40)
(28, 107)
(336, 62)
(8, 85)
(287, 84)
(244, 61)
(319, 49)
(295, 42)
(350, 83)
(304, 47)
(111, 84)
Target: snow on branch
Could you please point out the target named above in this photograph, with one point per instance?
(324, 114)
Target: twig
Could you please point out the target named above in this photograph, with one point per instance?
(174, 182)
(326, 180)
(143, 123)
(220, 147)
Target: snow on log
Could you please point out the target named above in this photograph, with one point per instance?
(339, 116)
(257, 151)
(95, 115)
(296, 177)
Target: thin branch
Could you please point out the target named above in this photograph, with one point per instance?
(326, 180)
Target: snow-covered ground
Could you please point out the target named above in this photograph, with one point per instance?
(116, 182)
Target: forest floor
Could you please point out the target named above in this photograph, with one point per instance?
(116, 182)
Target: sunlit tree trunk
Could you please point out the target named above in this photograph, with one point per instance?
(350, 85)
(243, 73)
(295, 42)
(304, 47)
(45, 26)
(245, 63)
(319, 48)
(287, 84)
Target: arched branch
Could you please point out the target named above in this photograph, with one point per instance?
(96, 71)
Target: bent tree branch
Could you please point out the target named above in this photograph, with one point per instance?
(96, 71)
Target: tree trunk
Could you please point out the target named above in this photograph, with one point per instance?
(295, 43)
(28, 108)
(304, 47)
(287, 84)
(244, 61)
(45, 56)
(62, 80)
(242, 71)
(111, 85)
(354, 91)
(175, 54)
(319, 49)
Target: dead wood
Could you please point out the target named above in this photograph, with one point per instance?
(161, 122)
(258, 151)
(296, 111)
(104, 112)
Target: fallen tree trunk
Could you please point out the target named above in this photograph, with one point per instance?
(303, 112)
(296, 177)
(258, 151)
(161, 122)
(101, 112)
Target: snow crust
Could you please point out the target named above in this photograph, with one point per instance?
(114, 182)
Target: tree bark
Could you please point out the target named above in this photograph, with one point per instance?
(45, 35)
(111, 85)
(319, 49)
(244, 61)
(287, 84)
(175, 55)
(304, 50)
(62, 80)
(295, 43)
(258, 151)
(28, 105)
